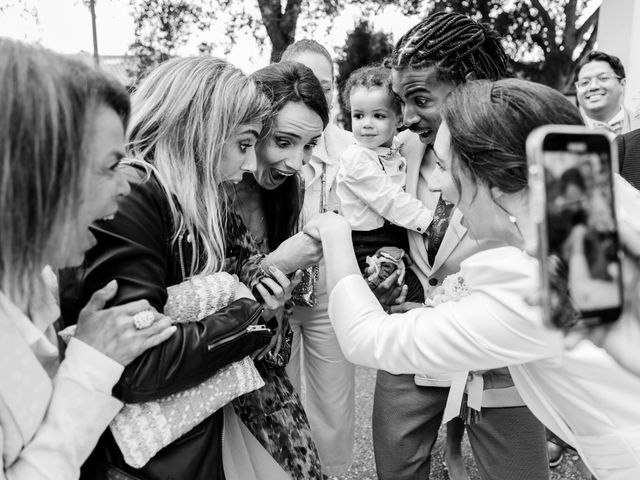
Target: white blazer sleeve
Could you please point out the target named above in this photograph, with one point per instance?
(477, 332)
(80, 409)
(361, 174)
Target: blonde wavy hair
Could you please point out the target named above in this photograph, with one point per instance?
(183, 114)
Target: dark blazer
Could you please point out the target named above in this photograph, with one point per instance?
(629, 156)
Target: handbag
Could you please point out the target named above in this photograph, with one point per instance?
(142, 429)
(304, 294)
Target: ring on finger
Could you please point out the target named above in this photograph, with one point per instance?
(144, 319)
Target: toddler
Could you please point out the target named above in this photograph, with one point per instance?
(372, 176)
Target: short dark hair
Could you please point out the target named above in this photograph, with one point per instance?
(457, 46)
(370, 77)
(303, 46)
(490, 122)
(598, 56)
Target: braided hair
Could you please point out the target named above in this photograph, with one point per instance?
(456, 45)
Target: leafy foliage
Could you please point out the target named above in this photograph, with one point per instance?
(161, 27)
(362, 47)
(545, 38)
(281, 21)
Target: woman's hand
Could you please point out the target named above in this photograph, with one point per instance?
(325, 223)
(296, 252)
(275, 291)
(112, 331)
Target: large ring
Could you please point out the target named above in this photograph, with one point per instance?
(144, 319)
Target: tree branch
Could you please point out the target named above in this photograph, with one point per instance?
(548, 23)
(570, 20)
(271, 16)
(290, 17)
(588, 23)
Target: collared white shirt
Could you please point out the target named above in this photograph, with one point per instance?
(371, 189)
(90, 368)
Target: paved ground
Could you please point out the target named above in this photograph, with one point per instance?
(363, 467)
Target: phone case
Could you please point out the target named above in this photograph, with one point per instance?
(559, 309)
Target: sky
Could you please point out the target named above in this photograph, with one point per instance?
(65, 26)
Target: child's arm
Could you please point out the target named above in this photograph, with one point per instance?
(362, 175)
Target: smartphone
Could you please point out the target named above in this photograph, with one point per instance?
(571, 172)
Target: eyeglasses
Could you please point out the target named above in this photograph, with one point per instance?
(584, 83)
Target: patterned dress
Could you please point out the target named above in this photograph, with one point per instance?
(274, 413)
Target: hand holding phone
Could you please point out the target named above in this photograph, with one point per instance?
(572, 203)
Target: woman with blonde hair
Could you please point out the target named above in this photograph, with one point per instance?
(61, 137)
(194, 125)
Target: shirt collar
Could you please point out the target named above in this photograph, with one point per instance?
(614, 124)
(33, 330)
(385, 153)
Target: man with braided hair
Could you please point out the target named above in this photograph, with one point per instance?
(439, 53)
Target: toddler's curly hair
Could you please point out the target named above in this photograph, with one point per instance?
(372, 76)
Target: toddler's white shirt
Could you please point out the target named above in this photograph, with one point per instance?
(370, 188)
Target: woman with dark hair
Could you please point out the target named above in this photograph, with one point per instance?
(580, 394)
(261, 238)
(61, 138)
(329, 379)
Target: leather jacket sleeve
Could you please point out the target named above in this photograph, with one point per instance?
(135, 249)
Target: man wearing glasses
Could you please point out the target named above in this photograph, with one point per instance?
(599, 90)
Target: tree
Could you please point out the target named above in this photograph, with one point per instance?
(281, 21)
(161, 27)
(363, 47)
(556, 32)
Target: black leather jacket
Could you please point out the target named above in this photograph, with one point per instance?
(135, 248)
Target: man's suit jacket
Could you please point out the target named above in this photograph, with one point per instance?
(629, 156)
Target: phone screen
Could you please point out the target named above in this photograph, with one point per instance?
(581, 230)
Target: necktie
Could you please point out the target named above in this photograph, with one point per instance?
(437, 228)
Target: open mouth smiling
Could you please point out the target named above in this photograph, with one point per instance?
(280, 175)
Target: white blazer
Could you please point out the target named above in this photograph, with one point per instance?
(582, 395)
(48, 427)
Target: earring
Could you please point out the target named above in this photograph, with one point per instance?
(513, 219)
